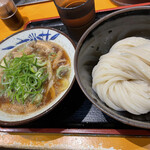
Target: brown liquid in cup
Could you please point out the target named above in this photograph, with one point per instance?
(14, 22)
(77, 15)
(10, 15)
(73, 4)
(81, 20)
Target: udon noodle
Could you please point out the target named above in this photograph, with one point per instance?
(122, 77)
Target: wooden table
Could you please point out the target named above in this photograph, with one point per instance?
(68, 139)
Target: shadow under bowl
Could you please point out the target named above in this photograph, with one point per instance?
(97, 40)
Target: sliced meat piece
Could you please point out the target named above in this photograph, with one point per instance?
(44, 47)
(58, 58)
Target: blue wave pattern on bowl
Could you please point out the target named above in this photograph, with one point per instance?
(34, 37)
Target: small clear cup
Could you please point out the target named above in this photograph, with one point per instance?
(77, 15)
(10, 15)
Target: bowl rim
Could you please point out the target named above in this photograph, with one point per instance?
(107, 110)
(25, 121)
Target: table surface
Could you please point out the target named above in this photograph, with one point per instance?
(61, 139)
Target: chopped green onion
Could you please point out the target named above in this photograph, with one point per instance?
(37, 99)
(39, 63)
(5, 62)
(62, 71)
(52, 55)
(33, 68)
(2, 66)
(23, 79)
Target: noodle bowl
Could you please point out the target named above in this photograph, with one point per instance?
(35, 75)
(96, 42)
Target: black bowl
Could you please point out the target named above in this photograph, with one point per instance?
(97, 40)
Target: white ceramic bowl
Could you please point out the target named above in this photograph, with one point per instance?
(46, 34)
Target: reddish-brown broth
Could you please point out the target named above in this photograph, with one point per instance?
(28, 107)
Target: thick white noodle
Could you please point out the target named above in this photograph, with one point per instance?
(121, 78)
